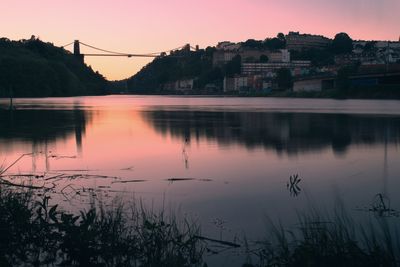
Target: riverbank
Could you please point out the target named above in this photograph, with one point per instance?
(35, 233)
(383, 92)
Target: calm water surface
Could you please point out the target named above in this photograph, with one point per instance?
(224, 161)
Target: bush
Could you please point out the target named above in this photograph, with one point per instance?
(33, 233)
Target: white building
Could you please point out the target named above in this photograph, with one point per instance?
(236, 83)
(282, 55)
(265, 68)
(184, 85)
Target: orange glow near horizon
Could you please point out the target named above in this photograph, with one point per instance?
(142, 27)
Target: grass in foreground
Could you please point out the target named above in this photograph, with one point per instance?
(331, 240)
(33, 233)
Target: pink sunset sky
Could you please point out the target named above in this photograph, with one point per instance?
(134, 26)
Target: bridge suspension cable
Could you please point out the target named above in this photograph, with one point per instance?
(67, 45)
(113, 53)
(103, 50)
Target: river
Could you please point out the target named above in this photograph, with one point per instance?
(225, 162)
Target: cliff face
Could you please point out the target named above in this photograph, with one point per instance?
(32, 68)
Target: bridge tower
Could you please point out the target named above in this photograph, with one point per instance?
(77, 51)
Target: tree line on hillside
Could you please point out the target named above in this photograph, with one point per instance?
(198, 64)
(178, 65)
(32, 68)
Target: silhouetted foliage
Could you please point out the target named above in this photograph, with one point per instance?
(284, 79)
(330, 240)
(343, 81)
(264, 59)
(32, 68)
(214, 75)
(318, 57)
(275, 43)
(233, 66)
(251, 43)
(278, 42)
(342, 44)
(34, 233)
(179, 65)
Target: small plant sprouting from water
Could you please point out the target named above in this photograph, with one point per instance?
(381, 207)
(293, 185)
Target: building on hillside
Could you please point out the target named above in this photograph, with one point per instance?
(377, 44)
(310, 85)
(313, 84)
(184, 85)
(169, 86)
(297, 41)
(229, 84)
(179, 86)
(241, 83)
(297, 67)
(221, 57)
(246, 83)
(252, 54)
(236, 84)
(227, 46)
(364, 59)
(282, 55)
(383, 57)
(387, 44)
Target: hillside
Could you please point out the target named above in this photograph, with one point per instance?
(32, 68)
(162, 74)
(294, 64)
(179, 65)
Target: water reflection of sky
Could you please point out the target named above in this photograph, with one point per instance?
(239, 153)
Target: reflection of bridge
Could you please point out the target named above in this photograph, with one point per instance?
(108, 53)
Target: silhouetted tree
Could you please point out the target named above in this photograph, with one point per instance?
(264, 59)
(37, 69)
(282, 38)
(284, 79)
(234, 66)
(343, 80)
(342, 44)
(153, 77)
(318, 57)
(251, 43)
(274, 43)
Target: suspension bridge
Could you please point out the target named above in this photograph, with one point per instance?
(107, 53)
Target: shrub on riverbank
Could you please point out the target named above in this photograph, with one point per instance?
(33, 233)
